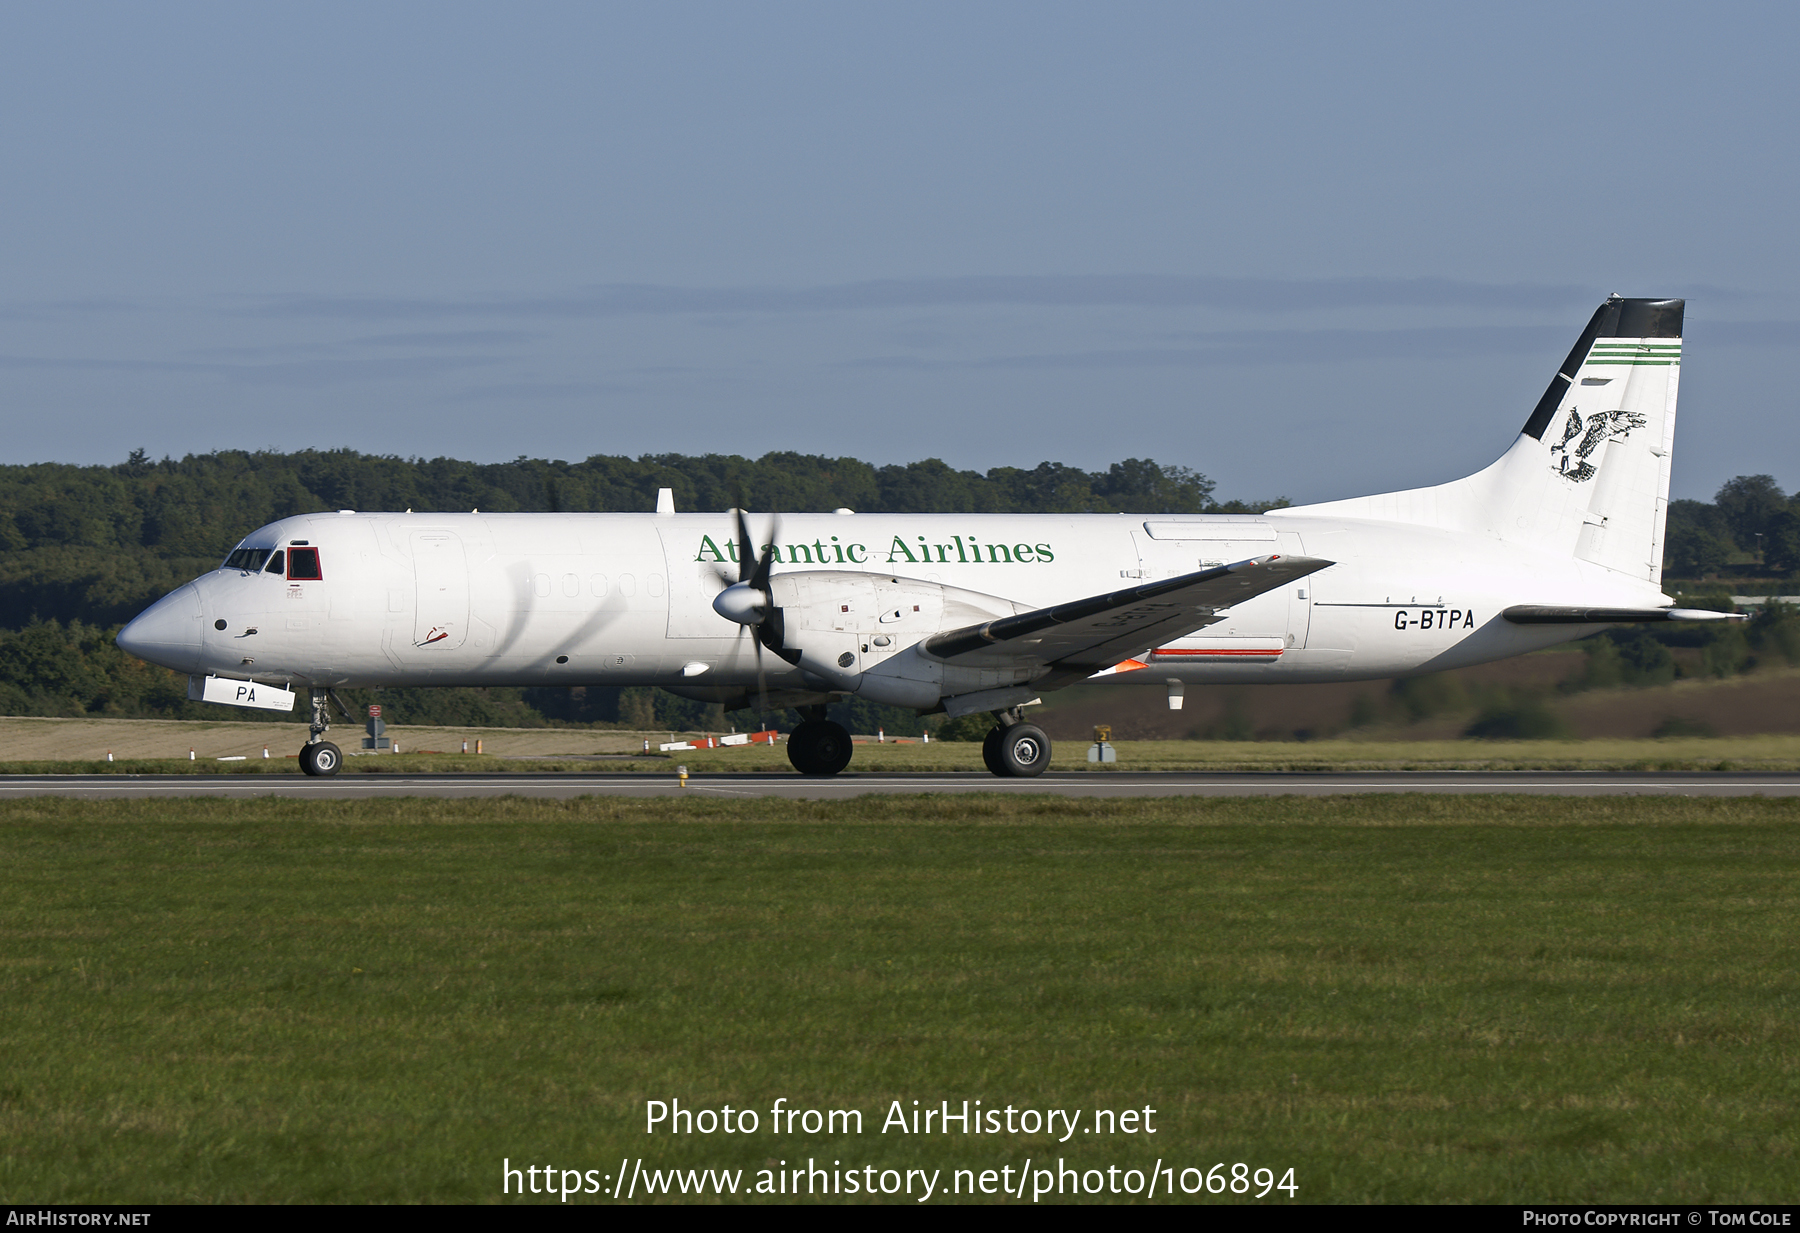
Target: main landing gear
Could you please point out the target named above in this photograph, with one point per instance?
(1016, 749)
(818, 746)
(319, 756)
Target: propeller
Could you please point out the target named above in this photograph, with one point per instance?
(748, 601)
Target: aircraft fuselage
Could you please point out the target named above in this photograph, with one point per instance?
(627, 599)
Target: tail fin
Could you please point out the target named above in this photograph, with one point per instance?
(1589, 474)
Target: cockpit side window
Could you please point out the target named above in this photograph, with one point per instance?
(303, 564)
(278, 562)
(250, 559)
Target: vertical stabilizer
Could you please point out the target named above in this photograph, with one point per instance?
(1589, 475)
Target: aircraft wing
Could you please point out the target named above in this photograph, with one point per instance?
(1085, 635)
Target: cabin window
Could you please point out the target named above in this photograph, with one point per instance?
(250, 559)
(303, 564)
(278, 562)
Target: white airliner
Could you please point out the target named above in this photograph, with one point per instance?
(964, 613)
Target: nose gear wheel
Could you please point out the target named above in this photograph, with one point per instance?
(321, 758)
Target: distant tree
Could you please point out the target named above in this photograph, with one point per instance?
(967, 728)
(1137, 484)
(84, 549)
(1425, 696)
(1748, 504)
(1697, 541)
(1520, 718)
(1781, 539)
(1775, 632)
(1726, 651)
(1642, 659)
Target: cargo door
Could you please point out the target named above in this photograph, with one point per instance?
(1173, 546)
(699, 567)
(441, 579)
(1299, 593)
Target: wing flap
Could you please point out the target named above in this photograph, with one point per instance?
(1085, 635)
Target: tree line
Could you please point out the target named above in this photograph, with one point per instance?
(99, 543)
(84, 549)
(1750, 529)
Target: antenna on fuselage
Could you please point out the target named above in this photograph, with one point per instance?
(665, 501)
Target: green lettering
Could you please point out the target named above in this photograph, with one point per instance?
(899, 547)
(1044, 553)
(1002, 550)
(1022, 551)
(794, 551)
(851, 550)
(706, 546)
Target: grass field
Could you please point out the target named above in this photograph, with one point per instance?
(1402, 998)
(79, 746)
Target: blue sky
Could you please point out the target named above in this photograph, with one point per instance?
(1309, 250)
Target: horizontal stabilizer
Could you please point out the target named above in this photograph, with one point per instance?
(1549, 614)
(1085, 635)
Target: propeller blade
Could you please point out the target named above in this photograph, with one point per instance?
(746, 552)
(765, 565)
(762, 678)
(748, 601)
(762, 684)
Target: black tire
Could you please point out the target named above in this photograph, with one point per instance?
(819, 747)
(321, 758)
(1023, 751)
(990, 750)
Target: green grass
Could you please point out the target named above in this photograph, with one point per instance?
(1747, 753)
(1404, 998)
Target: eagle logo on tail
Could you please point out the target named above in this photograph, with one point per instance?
(1569, 458)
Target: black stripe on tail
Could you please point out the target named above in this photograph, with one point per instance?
(1617, 318)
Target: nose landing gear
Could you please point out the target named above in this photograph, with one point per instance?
(319, 756)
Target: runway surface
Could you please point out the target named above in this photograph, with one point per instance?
(1122, 784)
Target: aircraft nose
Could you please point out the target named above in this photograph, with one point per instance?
(168, 632)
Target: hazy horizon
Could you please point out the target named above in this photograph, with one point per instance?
(1305, 250)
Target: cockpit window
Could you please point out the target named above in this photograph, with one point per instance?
(278, 562)
(250, 559)
(303, 564)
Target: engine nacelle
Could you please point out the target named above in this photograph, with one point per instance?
(860, 633)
